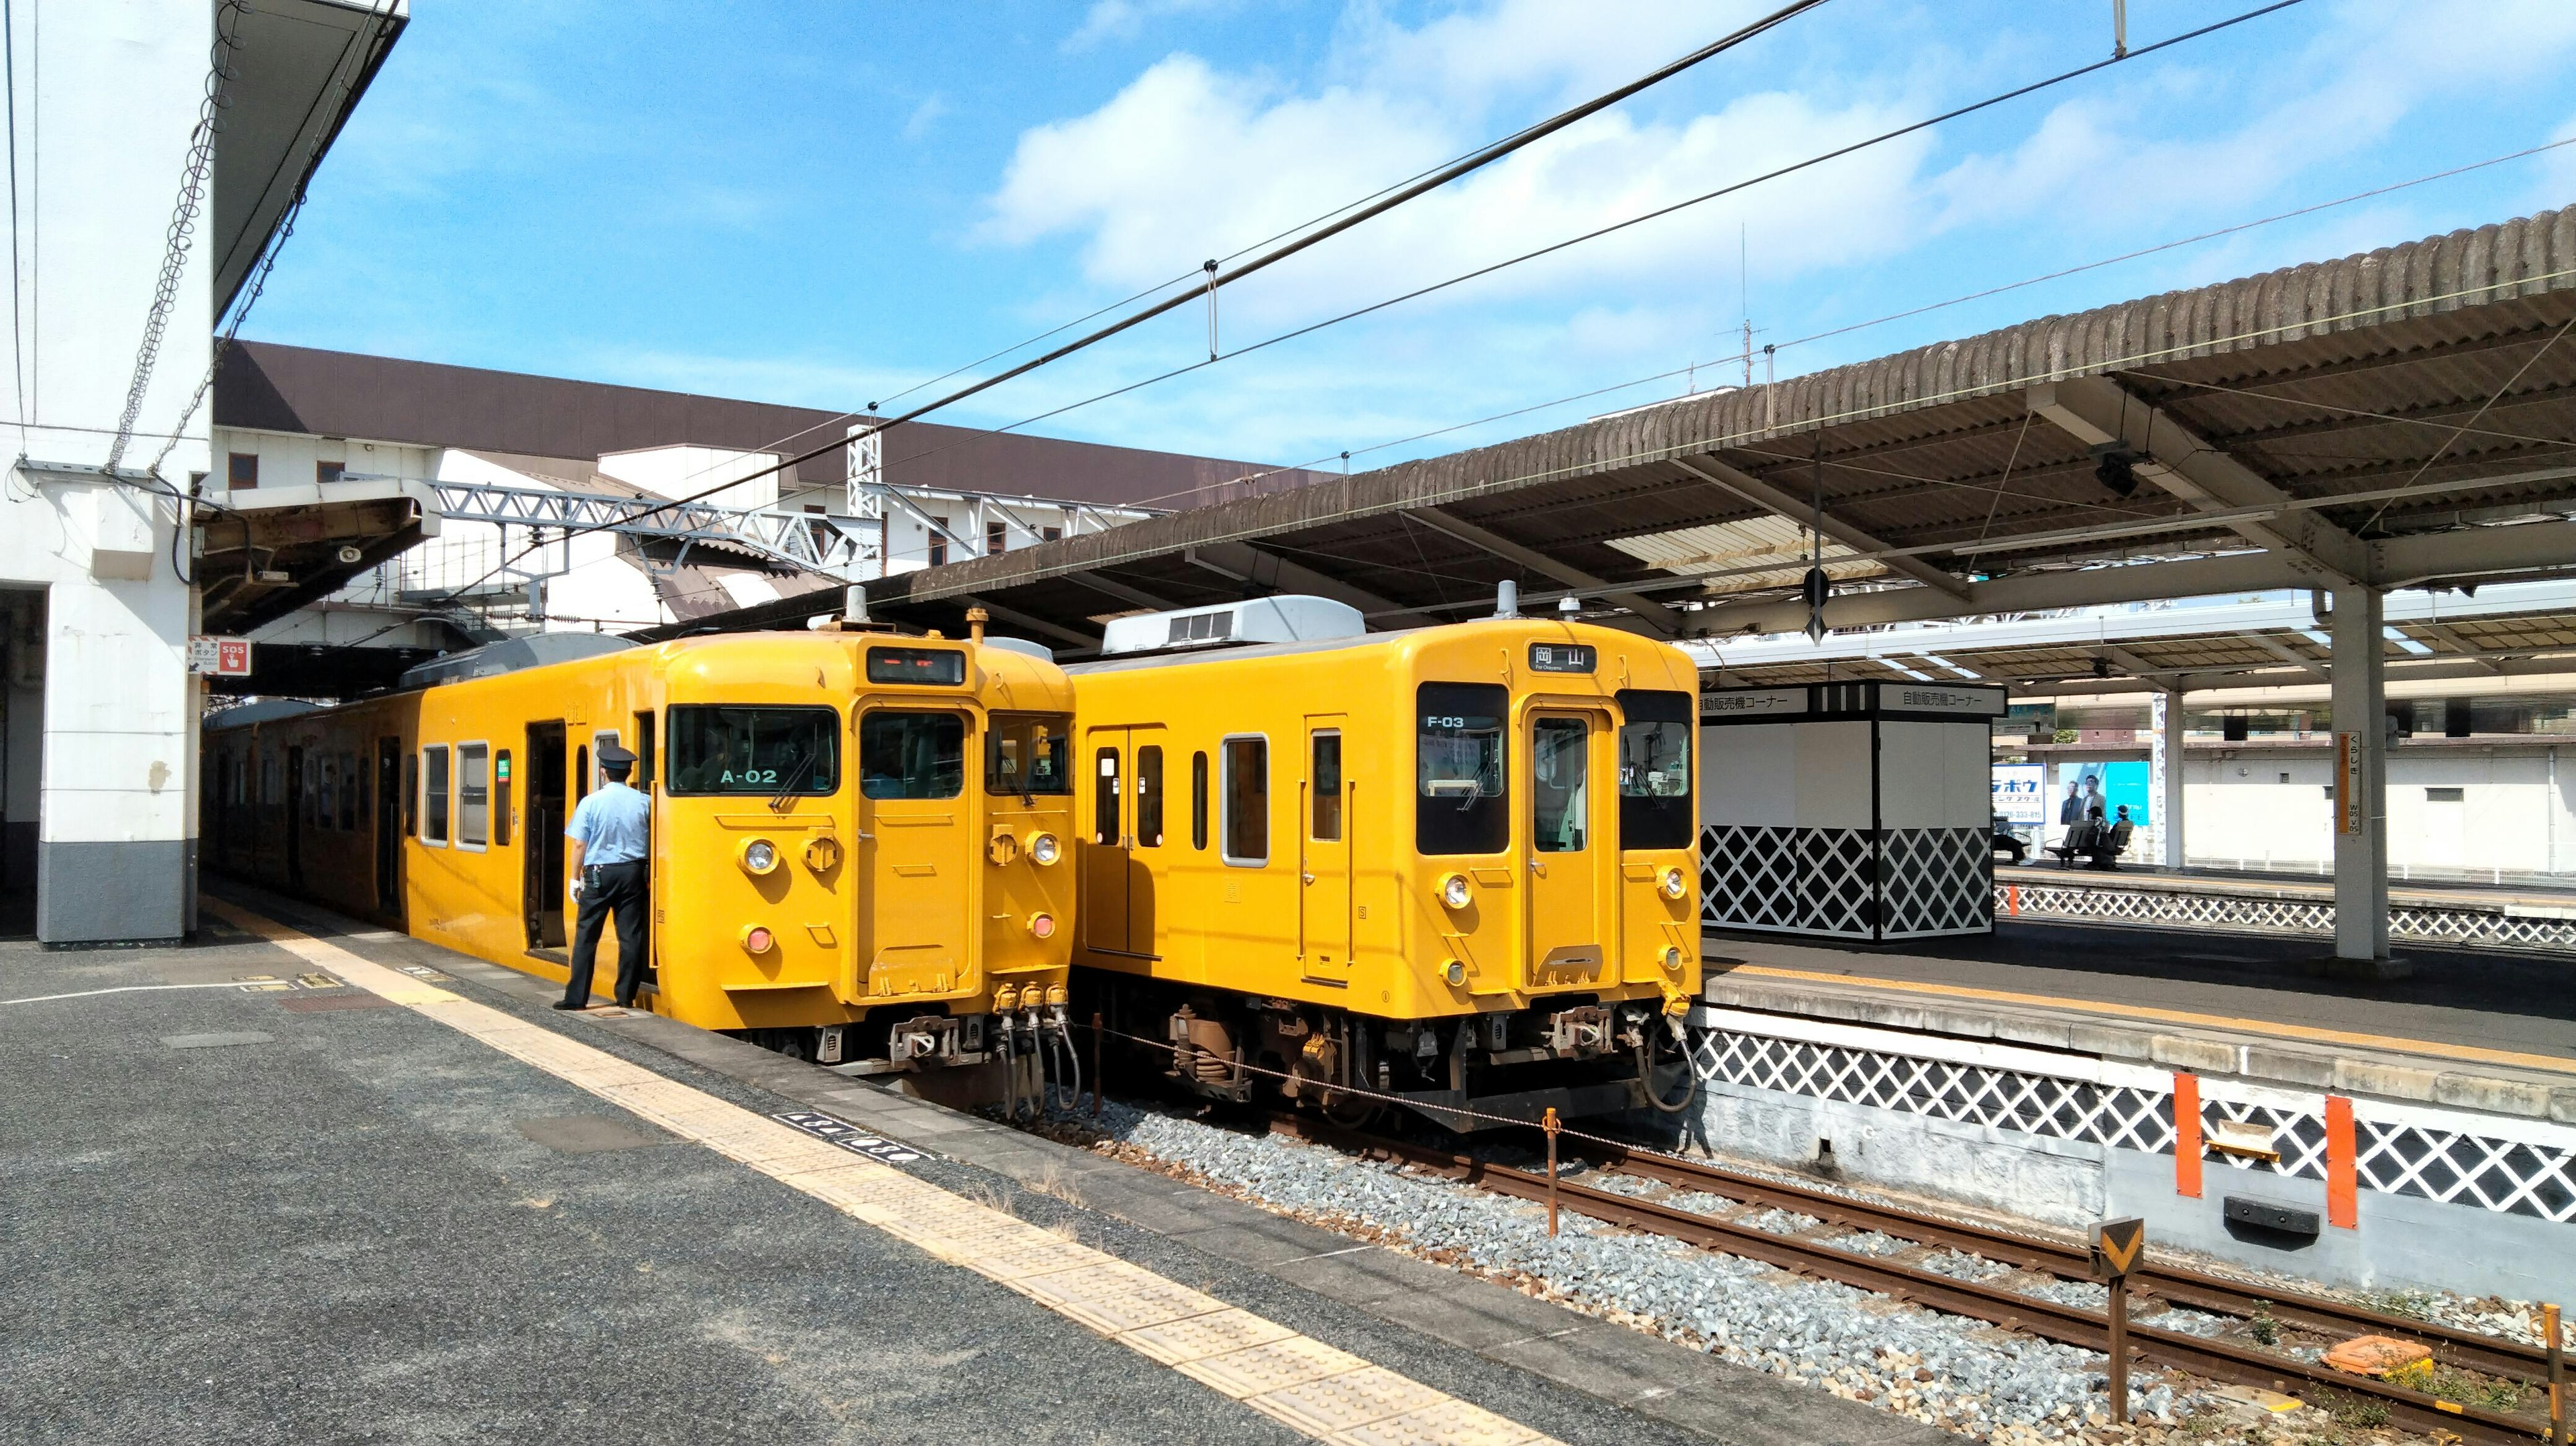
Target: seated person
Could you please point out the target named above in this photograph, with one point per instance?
(2114, 842)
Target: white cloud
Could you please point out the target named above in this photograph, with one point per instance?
(1116, 20)
(924, 116)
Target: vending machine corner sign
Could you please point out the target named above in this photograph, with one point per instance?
(219, 657)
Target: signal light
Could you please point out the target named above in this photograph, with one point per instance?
(1042, 925)
(756, 939)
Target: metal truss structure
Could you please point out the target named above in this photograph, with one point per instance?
(841, 548)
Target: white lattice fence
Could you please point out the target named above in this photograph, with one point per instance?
(2255, 913)
(2511, 1166)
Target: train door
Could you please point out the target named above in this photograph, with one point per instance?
(1122, 832)
(389, 830)
(1565, 845)
(916, 922)
(295, 818)
(1324, 878)
(542, 850)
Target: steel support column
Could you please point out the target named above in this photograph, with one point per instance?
(2360, 702)
(2168, 770)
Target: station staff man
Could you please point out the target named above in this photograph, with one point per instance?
(610, 838)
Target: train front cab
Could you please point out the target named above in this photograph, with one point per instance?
(878, 883)
(1455, 865)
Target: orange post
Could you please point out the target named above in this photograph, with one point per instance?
(1095, 1064)
(2557, 1376)
(1549, 1124)
(2343, 1204)
(2186, 1106)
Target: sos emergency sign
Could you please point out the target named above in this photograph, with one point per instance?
(220, 657)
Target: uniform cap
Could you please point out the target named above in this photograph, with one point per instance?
(611, 754)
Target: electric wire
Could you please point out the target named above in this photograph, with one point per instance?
(1349, 218)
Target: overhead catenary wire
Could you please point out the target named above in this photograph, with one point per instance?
(1343, 221)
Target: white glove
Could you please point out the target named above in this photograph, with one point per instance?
(574, 888)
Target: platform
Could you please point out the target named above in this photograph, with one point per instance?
(2420, 913)
(385, 1193)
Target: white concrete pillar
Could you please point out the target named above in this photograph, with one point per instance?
(2165, 774)
(2360, 703)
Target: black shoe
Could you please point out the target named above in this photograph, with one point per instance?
(568, 1004)
(626, 1004)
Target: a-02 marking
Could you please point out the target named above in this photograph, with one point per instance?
(850, 1137)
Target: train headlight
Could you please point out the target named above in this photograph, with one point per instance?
(1455, 891)
(1674, 883)
(1042, 925)
(759, 856)
(756, 939)
(1043, 848)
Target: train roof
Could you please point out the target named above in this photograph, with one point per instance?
(509, 656)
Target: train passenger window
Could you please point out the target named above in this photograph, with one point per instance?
(433, 801)
(1198, 802)
(351, 797)
(591, 776)
(1149, 796)
(1246, 800)
(1027, 753)
(1462, 803)
(768, 752)
(1104, 797)
(909, 755)
(1328, 787)
(1655, 769)
(473, 794)
(1560, 796)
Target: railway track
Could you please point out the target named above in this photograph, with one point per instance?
(2220, 1360)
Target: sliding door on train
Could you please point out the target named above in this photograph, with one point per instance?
(390, 794)
(917, 852)
(1567, 920)
(1124, 834)
(542, 850)
(1324, 861)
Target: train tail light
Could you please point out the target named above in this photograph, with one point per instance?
(1455, 972)
(756, 939)
(1042, 925)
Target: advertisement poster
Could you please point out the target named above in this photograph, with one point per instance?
(2021, 793)
(2082, 787)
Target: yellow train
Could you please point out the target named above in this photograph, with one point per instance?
(1454, 866)
(834, 874)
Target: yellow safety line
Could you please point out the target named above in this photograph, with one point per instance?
(1324, 1393)
(2393, 1043)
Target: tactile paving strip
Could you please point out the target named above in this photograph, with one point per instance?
(1325, 1393)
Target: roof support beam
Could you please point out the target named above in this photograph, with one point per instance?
(2451, 639)
(2135, 666)
(2097, 410)
(1655, 615)
(1132, 596)
(1248, 564)
(2289, 655)
(1771, 499)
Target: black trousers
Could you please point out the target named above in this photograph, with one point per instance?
(627, 889)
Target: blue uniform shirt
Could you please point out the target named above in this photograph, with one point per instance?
(613, 826)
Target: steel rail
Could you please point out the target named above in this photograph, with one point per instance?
(2179, 1285)
(2070, 1325)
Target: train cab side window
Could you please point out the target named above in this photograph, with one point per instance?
(1655, 809)
(912, 755)
(591, 775)
(1027, 754)
(1327, 787)
(1246, 803)
(433, 794)
(411, 797)
(1104, 796)
(1198, 802)
(1149, 796)
(1462, 804)
(643, 772)
(473, 795)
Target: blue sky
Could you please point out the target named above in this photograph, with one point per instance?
(823, 203)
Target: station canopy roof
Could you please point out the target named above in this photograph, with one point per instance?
(2400, 419)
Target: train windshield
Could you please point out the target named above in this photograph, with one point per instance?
(1461, 803)
(770, 752)
(912, 755)
(1654, 769)
(1027, 753)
